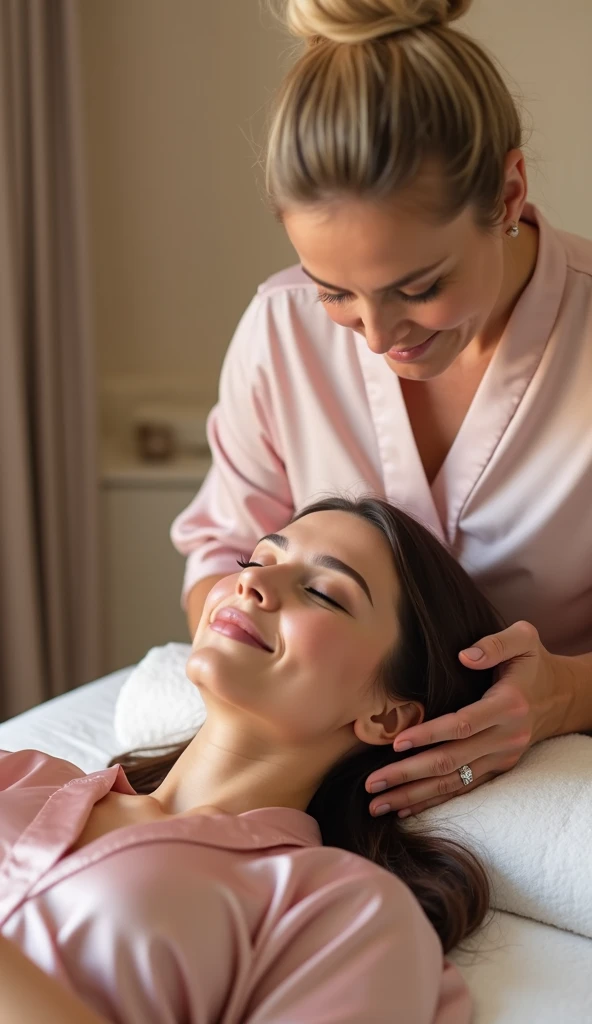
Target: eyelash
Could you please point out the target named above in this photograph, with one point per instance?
(427, 296)
(310, 590)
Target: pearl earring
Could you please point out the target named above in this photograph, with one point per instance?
(513, 231)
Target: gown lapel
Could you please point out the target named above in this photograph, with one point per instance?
(494, 405)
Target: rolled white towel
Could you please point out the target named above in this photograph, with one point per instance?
(158, 704)
(532, 829)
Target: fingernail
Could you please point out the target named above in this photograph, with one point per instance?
(405, 745)
(474, 654)
(377, 787)
(405, 813)
(381, 809)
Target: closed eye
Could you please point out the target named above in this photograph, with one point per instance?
(333, 297)
(325, 597)
(310, 590)
(430, 293)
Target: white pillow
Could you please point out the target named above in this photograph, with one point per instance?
(158, 704)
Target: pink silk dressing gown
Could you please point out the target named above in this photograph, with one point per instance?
(306, 409)
(210, 919)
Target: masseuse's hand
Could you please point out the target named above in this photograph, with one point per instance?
(524, 706)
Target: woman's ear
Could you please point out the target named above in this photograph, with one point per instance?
(383, 728)
(515, 186)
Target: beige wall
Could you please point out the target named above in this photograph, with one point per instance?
(173, 90)
(544, 45)
(181, 236)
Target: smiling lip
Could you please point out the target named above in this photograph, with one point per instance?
(407, 355)
(236, 625)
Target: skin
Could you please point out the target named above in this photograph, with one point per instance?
(277, 721)
(359, 248)
(28, 994)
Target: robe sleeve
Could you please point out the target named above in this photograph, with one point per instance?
(246, 493)
(357, 951)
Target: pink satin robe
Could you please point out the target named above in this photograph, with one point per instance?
(210, 920)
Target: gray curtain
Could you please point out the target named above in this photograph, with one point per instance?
(49, 623)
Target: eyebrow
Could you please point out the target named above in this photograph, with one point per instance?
(324, 561)
(414, 275)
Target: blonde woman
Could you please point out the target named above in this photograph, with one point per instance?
(435, 346)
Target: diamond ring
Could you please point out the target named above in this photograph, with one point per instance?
(466, 775)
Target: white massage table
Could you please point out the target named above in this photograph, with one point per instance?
(520, 972)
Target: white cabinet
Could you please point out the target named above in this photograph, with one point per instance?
(142, 573)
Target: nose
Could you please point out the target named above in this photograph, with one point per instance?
(383, 330)
(260, 584)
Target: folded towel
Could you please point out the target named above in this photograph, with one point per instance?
(158, 704)
(531, 827)
(523, 972)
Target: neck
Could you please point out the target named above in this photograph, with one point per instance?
(520, 256)
(226, 769)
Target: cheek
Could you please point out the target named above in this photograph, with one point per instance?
(483, 280)
(330, 645)
(452, 309)
(325, 668)
(308, 633)
(470, 302)
(220, 592)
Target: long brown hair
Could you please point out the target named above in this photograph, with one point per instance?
(440, 612)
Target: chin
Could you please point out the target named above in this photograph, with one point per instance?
(426, 369)
(205, 665)
(219, 673)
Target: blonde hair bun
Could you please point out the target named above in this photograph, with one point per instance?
(357, 21)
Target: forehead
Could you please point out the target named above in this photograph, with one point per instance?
(373, 243)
